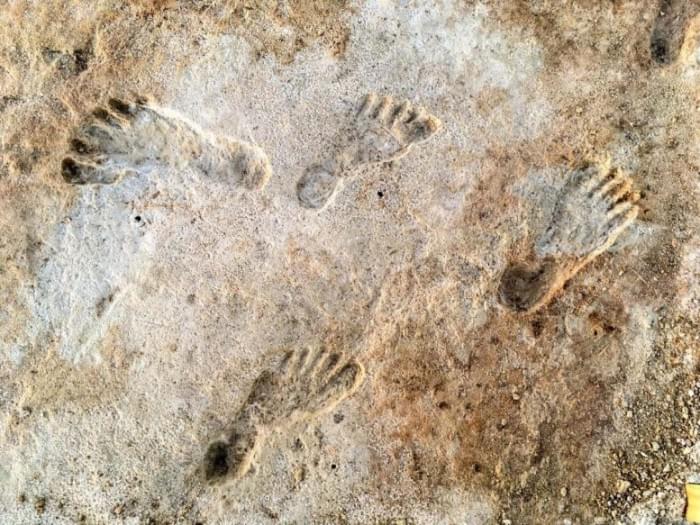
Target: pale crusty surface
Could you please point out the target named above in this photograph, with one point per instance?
(137, 317)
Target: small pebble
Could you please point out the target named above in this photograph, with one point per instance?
(622, 486)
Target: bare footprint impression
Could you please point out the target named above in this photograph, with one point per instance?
(109, 237)
(384, 130)
(139, 136)
(669, 29)
(303, 386)
(594, 207)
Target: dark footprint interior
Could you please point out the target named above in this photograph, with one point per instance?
(120, 107)
(669, 29)
(71, 172)
(216, 464)
(659, 50)
(521, 287)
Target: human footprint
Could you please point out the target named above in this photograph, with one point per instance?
(383, 130)
(138, 136)
(304, 385)
(594, 207)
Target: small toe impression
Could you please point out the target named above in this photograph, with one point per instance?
(368, 105)
(79, 173)
(105, 117)
(402, 113)
(380, 108)
(316, 187)
(343, 382)
(81, 147)
(330, 363)
(384, 109)
(421, 129)
(121, 108)
(522, 288)
(96, 133)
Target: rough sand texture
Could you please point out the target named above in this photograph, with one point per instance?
(484, 307)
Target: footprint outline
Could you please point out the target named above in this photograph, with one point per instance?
(594, 207)
(139, 136)
(383, 130)
(303, 385)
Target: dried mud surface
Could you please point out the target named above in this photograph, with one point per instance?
(145, 318)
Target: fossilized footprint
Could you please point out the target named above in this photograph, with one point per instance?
(304, 385)
(670, 28)
(384, 130)
(593, 208)
(138, 136)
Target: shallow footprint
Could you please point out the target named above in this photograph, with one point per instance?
(304, 385)
(670, 26)
(316, 187)
(133, 136)
(384, 130)
(593, 208)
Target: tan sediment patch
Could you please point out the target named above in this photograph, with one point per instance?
(271, 27)
(283, 29)
(533, 414)
(462, 395)
(49, 383)
(516, 407)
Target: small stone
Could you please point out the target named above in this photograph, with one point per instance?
(563, 492)
(622, 486)
(655, 446)
(499, 469)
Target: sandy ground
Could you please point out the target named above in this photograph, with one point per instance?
(241, 293)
